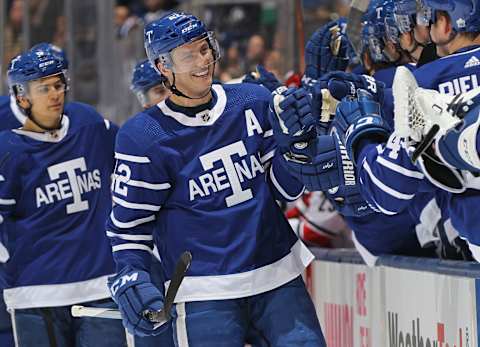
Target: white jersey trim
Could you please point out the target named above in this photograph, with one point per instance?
(131, 224)
(200, 119)
(132, 158)
(7, 202)
(148, 185)
(400, 169)
(53, 136)
(281, 190)
(50, 295)
(130, 237)
(135, 206)
(384, 187)
(130, 246)
(475, 250)
(240, 285)
(267, 157)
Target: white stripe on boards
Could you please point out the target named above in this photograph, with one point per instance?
(132, 158)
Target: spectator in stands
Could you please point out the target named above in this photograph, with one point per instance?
(255, 52)
(13, 39)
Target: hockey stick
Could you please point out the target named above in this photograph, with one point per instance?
(354, 24)
(159, 317)
(300, 31)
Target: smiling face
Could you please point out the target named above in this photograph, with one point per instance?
(193, 66)
(46, 97)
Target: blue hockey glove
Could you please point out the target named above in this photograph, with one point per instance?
(326, 50)
(262, 77)
(318, 170)
(291, 118)
(346, 198)
(134, 294)
(358, 119)
(342, 84)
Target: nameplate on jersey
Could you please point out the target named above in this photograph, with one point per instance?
(459, 85)
(69, 180)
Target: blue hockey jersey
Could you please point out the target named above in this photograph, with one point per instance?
(54, 190)
(10, 115)
(205, 180)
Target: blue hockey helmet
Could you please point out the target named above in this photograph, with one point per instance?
(392, 31)
(54, 49)
(405, 12)
(374, 33)
(38, 62)
(464, 14)
(173, 30)
(145, 77)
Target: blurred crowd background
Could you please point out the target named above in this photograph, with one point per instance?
(104, 39)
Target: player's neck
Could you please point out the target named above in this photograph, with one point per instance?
(460, 42)
(186, 102)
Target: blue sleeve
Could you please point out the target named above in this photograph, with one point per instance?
(141, 186)
(389, 180)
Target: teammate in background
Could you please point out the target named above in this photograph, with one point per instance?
(148, 85)
(199, 172)
(54, 195)
(412, 19)
(11, 117)
(7, 121)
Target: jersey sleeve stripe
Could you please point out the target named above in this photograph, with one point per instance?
(7, 202)
(134, 206)
(267, 156)
(107, 123)
(147, 185)
(129, 246)
(399, 169)
(268, 133)
(280, 188)
(384, 187)
(130, 237)
(132, 158)
(131, 224)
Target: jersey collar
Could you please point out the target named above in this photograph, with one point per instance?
(49, 136)
(204, 118)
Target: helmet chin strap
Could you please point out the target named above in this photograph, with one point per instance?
(177, 92)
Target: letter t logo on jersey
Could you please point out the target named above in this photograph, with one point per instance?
(224, 154)
(69, 168)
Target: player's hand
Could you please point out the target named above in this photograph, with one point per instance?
(262, 77)
(358, 119)
(342, 84)
(346, 197)
(290, 115)
(134, 294)
(327, 50)
(316, 165)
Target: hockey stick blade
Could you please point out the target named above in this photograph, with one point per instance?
(180, 270)
(425, 143)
